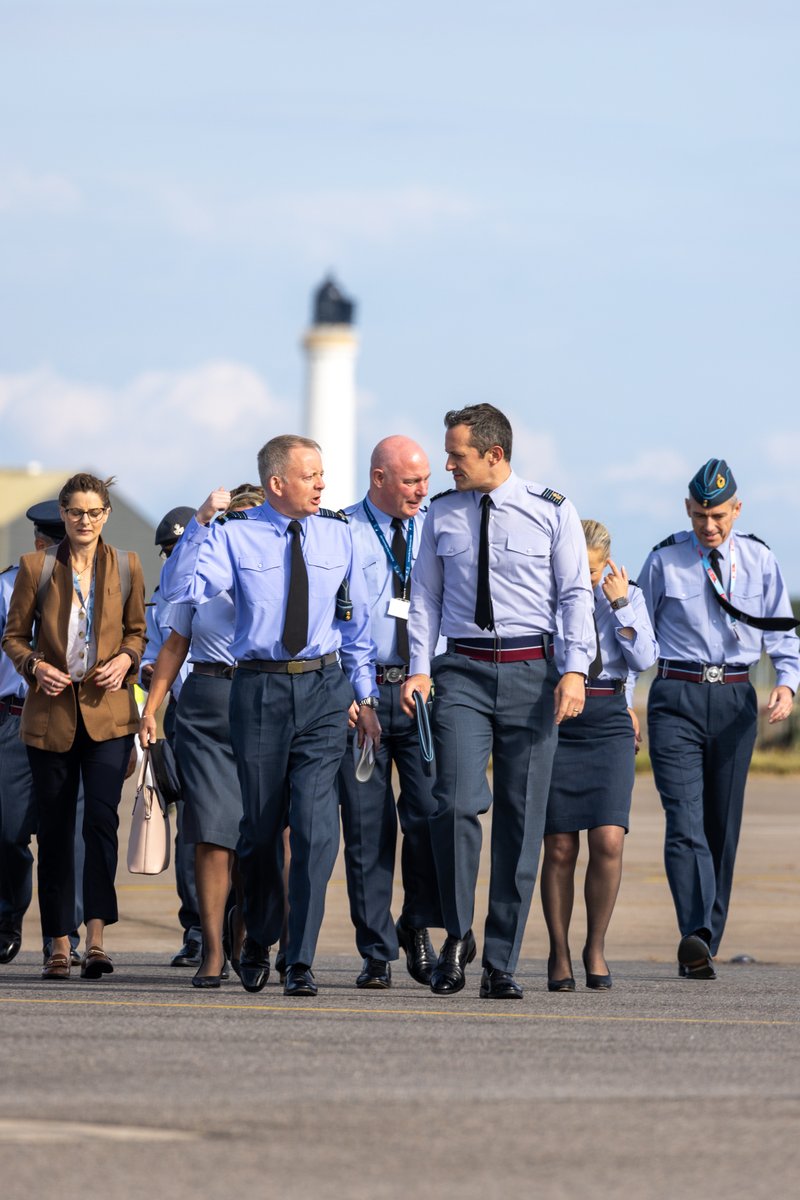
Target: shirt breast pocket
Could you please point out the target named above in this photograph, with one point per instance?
(260, 578)
(527, 553)
(451, 545)
(682, 589)
(325, 572)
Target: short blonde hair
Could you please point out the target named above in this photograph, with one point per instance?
(597, 537)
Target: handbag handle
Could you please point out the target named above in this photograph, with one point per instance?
(145, 763)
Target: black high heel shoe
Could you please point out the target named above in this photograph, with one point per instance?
(210, 981)
(567, 984)
(600, 983)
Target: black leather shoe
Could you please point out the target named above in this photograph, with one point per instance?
(75, 956)
(300, 981)
(420, 956)
(448, 974)
(189, 955)
(375, 973)
(694, 958)
(211, 981)
(10, 942)
(567, 984)
(600, 983)
(253, 965)
(499, 985)
(280, 965)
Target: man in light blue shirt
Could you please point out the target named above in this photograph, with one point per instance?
(498, 556)
(298, 669)
(715, 598)
(386, 527)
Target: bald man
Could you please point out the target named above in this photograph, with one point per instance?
(386, 527)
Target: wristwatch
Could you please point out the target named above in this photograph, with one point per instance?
(620, 602)
(368, 702)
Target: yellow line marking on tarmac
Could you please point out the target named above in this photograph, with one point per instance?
(200, 1006)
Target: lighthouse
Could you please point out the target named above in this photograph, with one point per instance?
(330, 346)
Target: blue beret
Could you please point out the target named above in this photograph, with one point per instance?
(713, 483)
(46, 517)
(172, 525)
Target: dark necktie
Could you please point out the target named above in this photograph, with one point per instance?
(597, 666)
(781, 624)
(295, 626)
(398, 549)
(484, 616)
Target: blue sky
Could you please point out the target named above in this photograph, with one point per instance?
(584, 213)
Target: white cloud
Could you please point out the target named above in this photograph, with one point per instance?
(23, 191)
(170, 436)
(658, 467)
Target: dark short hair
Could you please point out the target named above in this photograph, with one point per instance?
(84, 482)
(488, 427)
(273, 458)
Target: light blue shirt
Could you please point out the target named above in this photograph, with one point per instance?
(209, 628)
(690, 624)
(248, 555)
(379, 574)
(623, 657)
(11, 684)
(158, 622)
(537, 565)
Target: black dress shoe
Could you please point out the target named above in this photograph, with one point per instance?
(300, 981)
(600, 983)
(420, 956)
(375, 973)
(567, 984)
(10, 942)
(499, 985)
(189, 955)
(280, 965)
(253, 965)
(448, 974)
(694, 958)
(210, 981)
(75, 956)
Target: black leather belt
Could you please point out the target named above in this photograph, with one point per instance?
(219, 670)
(384, 674)
(503, 650)
(696, 672)
(606, 687)
(292, 666)
(11, 705)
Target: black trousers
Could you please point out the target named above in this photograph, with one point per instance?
(56, 779)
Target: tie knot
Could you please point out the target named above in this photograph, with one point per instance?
(714, 557)
(295, 527)
(486, 500)
(397, 523)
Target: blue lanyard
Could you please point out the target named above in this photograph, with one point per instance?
(403, 576)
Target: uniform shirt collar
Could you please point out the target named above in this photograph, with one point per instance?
(498, 494)
(383, 519)
(280, 521)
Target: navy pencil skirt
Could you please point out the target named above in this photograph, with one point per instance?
(206, 762)
(593, 770)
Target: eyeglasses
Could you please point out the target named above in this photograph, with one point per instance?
(94, 514)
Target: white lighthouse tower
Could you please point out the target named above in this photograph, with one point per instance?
(330, 345)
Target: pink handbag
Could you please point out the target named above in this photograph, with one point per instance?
(149, 841)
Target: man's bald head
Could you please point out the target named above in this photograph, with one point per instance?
(399, 474)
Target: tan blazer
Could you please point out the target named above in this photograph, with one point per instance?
(49, 722)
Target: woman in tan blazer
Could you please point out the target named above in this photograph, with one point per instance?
(80, 714)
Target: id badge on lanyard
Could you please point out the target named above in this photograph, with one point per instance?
(399, 605)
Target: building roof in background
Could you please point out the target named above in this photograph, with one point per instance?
(20, 487)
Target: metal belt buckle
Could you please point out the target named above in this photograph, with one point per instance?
(713, 674)
(295, 666)
(393, 674)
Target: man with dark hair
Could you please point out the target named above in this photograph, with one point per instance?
(17, 805)
(497, 557)
(702, 708)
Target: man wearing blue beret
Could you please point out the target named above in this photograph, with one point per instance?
(715, 600)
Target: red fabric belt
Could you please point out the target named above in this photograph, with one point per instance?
(695, 672)
(613, 687)
(490, 654)
(12, 705)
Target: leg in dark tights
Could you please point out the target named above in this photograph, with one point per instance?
(558, 894)
(603, 875)
(213, 877)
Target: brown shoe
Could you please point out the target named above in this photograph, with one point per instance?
(95, 963)
(56, 967)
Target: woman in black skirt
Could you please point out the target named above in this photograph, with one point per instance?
(593, 771)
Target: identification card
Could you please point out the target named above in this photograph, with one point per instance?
(398, 607)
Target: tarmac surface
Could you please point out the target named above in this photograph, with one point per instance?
(662, 1087)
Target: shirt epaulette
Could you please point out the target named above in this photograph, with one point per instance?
(239, 515)
(553, 497)
(337, 513)
(438, 496)
(668, 541)
(754, 538)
